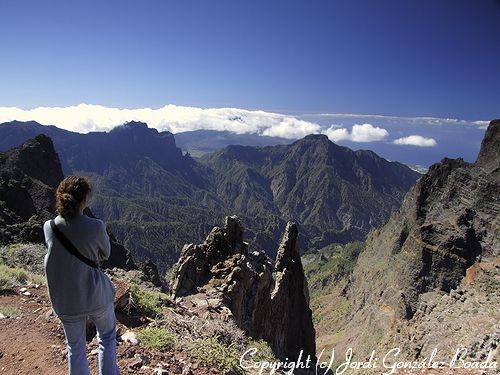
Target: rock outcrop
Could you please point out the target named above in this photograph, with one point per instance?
(267, 301)
(447, 227)
(490, 149)
(29, 175)
(290, 299)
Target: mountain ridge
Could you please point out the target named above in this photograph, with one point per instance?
(155, 198)
(428, 278)
(298, 178)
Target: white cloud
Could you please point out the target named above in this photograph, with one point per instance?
(482, 124)
(84, 118)
(359, 133)
(416, 140)
(334, 133)
(367, 133)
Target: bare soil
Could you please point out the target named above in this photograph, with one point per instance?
(32, 342)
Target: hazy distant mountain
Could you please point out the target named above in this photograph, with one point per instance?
(199, 142)
(156, 199)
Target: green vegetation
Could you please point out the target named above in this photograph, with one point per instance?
(148, 302)
(210, 342)
(156, 338)
(28, 256)
(9, 311)
(11, 249)
(328, 271)
(15, 276)
(264, 351)
(329, 265)
(211, 352)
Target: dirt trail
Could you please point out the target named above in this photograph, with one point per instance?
(32, 342)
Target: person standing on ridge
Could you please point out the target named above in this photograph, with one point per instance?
(78, 289)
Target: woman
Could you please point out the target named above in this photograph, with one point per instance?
(78, 289)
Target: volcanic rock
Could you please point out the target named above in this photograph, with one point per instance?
(267, 301)
(490, 149)
(447, 226)
(28, 176)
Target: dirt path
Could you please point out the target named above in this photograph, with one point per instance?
(32, 342)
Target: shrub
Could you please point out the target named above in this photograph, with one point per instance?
(27, 256)
(156, 338)
(264, 351)
(211, 352)
(148, 302)
(12, 276)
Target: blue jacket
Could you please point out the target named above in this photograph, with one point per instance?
(74, 287)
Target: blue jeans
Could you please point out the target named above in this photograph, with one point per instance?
(74, 329)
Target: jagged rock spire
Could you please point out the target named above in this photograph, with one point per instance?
(275, 309)
(288, 251)
(290, 301)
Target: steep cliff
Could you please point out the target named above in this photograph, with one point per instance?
(444, 236)
(490, 149)
(267, 301)
(28, 176)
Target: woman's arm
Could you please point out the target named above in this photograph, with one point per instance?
(104, 244)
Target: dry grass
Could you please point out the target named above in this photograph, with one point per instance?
(13, 276)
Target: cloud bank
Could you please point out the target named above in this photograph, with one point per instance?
(359, 133)
(84, 118)
(416, 140)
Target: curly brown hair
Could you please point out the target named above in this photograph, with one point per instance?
(70, 193)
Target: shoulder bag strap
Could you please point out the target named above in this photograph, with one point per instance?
(70, 247)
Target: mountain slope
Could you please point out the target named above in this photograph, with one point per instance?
(429, 277)
(336, 194)
(155, 198)
(152, 196)
(29, 175)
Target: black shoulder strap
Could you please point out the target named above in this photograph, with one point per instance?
(69, 246)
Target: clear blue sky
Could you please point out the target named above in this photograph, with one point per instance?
(421, 57)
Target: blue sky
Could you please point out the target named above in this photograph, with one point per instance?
(432, 67)
(437, 58)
